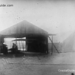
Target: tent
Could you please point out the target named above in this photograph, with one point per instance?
(69, 44)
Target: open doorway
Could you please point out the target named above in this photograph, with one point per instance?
(20, 42)
(33, 44)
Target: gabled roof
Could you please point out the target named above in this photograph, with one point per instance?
(22, 29)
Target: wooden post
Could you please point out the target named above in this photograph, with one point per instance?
(54, 45)
(47, 45)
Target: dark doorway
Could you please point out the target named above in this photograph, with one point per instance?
(37, 44)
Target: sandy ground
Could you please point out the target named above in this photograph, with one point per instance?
(57, 64)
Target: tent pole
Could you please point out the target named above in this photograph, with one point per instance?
(20, 45)
(16, 41)
(53, 44)
(25, 44)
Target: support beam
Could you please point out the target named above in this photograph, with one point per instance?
(53, 45)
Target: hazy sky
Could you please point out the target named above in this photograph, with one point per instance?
(54, 16)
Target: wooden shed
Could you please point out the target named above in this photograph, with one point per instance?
(36, 38)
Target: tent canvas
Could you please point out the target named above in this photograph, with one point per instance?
(69, 44)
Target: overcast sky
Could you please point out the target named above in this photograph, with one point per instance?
(54, 16)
